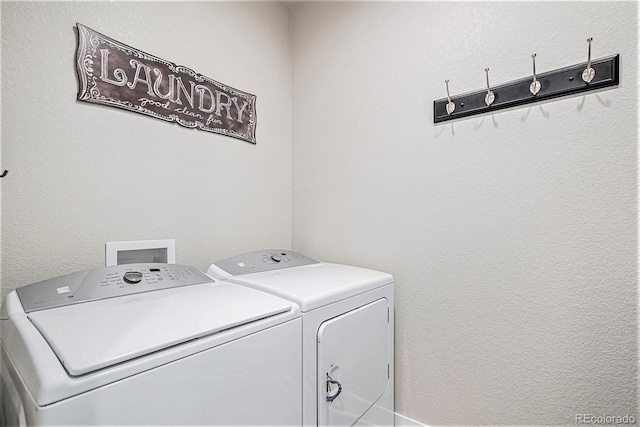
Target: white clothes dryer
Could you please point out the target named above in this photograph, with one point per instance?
(148, 344)
(347, 332)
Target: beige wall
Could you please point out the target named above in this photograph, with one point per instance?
(512, 236)
(82, 175)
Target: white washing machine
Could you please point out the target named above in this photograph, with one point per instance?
(148, 344)
(347, 332)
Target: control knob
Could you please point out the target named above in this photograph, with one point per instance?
(132, 277)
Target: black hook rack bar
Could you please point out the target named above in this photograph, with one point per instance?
(554, 84)
(4, 173)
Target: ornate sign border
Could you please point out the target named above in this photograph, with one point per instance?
(189, 99)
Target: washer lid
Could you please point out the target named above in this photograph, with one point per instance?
(94, 335)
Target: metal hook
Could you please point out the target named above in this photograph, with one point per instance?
(450, 105)
(490, 97)
(534, 88)
(4, 173)
(589, 73)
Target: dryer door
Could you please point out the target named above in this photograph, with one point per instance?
(353, 363)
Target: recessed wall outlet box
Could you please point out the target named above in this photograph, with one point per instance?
(141, 251)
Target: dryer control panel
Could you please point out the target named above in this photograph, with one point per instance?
(266, 260)
(107, 282)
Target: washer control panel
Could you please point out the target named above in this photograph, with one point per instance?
(107, 282)
(266, 260)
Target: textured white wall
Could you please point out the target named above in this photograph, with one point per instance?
(512, 236)
(82, 175)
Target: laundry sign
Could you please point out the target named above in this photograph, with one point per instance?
(114, 74)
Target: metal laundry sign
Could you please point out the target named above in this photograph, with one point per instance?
(114, 74)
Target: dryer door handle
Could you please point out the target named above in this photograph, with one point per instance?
(331, 398)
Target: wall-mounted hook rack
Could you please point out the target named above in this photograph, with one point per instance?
(4, 173)
(553, 84)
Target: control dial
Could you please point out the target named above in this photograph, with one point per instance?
(276, 257)
(132, 277)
